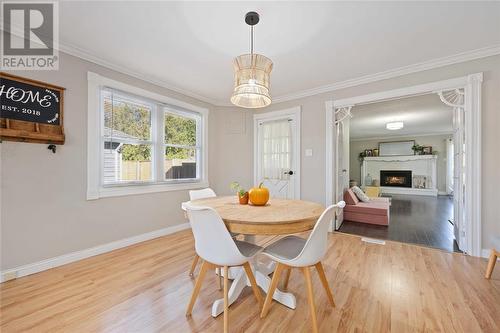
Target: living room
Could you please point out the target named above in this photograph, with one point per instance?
(401, 155)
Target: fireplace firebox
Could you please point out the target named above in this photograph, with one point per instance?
(395, 178)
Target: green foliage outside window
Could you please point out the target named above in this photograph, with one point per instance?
(135, 122)
(180, 131)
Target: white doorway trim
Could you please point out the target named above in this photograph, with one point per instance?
(472, 88)
(295, 113)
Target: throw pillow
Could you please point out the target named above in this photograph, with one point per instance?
(360, 194)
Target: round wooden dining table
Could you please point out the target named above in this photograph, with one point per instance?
(277, 217)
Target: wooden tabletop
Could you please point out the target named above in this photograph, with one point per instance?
(278, 217)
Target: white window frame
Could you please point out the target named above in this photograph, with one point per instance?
(95, 186)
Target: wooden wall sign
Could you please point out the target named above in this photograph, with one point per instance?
(30, 111)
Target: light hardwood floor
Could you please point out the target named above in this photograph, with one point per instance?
(146, 288)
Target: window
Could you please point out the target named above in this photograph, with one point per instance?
(127, 138)
(144, 142)
(182, 148)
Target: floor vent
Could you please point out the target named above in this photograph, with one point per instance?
(373, 240)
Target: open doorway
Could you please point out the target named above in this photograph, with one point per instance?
(430, 200)
(398, 157)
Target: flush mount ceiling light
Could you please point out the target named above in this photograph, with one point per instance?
(396, 125)
(251, 75)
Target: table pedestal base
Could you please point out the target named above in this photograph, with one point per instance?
(240, 281)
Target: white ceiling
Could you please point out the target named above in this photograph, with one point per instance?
(190, 45)
(422, 115)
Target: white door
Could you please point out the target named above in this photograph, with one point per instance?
(341, 169)
(459, 187)
(277, 155)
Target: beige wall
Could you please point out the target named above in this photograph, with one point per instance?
(436, 141)
(313, 131)
(44, 208)
(232, 142)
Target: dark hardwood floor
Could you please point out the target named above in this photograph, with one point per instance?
(413, 219)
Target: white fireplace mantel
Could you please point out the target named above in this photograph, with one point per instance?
(400, 158)
(422, 165)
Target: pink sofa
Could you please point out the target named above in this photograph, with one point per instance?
(375, 211)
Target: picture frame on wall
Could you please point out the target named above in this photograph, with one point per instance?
(396, 148)
(427, 150)
(34, 113)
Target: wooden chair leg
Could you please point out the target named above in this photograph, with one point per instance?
(203, 270)
(253, 283)
(287, 278)
(226, 299)
(310, 297)
(193, 264)
(272, 288)
(324, 281)
(491, 264)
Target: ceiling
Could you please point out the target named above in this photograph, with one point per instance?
(189, 46)
(421, 115)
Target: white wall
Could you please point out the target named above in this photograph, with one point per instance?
(43, 195)
(436, 141)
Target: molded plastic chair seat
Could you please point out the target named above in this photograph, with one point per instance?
(247, 249)
(286, 248)
(195, 195)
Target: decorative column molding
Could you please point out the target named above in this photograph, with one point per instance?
(454, 98)
(342, 113)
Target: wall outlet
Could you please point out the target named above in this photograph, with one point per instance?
(309, 152)
(9, 276)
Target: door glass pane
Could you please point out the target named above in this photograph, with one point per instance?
(180, 163)
(180, 130)
(275, 149)
(126, 162)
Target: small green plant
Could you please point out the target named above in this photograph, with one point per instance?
(417, 149)
(235, 186)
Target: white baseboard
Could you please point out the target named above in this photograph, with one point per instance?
(485, 253)
(64, 259)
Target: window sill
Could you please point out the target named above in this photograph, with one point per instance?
(118, 191)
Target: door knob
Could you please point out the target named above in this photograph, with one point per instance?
(289, 173)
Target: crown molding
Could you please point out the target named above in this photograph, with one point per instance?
(82, 54)
(392, 73)
(399, 137)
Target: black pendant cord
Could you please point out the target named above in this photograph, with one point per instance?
(251, 40)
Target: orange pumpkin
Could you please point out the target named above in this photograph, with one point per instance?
(258, 196)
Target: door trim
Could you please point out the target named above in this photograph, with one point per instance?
(294, 112)
(472, 88)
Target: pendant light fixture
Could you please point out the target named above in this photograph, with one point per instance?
(251, 75)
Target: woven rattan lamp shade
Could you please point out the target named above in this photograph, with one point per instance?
(251, 81)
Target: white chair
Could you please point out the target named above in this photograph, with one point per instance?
(195, 195)
(296, 252)
(214, 244)
(202, 194)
